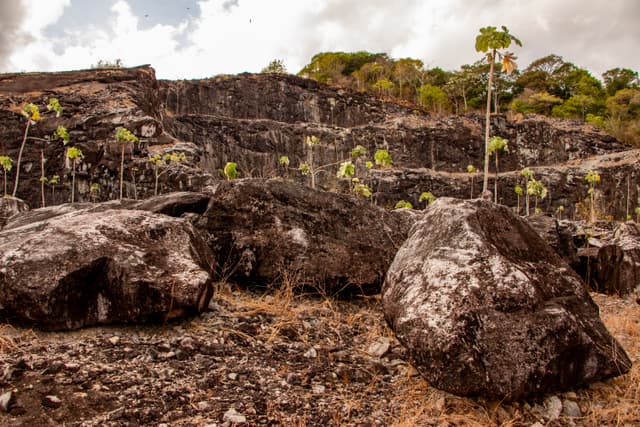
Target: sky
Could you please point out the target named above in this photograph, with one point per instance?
(186, 39)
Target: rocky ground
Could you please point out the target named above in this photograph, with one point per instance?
(273, 359)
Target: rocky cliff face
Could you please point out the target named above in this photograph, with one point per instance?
(254, 119)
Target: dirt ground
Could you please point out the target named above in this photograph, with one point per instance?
(273, 359)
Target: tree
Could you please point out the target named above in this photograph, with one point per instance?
(231, 171)
(471, 170)
(275, 67)
(384, 87)
(637, 212)
(433, 98)
(7, 163)
(406, 72)
(53, 181)
(592, 177)
(538, 190)
(124, 136)
(497, 144)
(518, 191)
(492, 41)
(165, 162)
(105, 63)
(94, 189)
(620, 78)
(32, 115)
(75, 155)
(528, 175)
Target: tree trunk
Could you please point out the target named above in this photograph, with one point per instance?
(5, 182)
(121, 169)
(526, 189)
(471, 187)
(24, 140)
(495, 184)
(73, 180)
(485, 181)
(42, 176)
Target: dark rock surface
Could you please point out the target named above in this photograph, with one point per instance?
(78, 267)
(255, 119)
(558, 235)
(486, 307)
(10, 207)
(618, 263)
(265, 232)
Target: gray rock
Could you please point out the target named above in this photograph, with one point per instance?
(553, 408)
(379, 347)
(5, 401)
(265, 232)
(485, 307)
(618, 265)
(9, 207)
(233, 416)
(571, 409)
(97, 266)
(558, 235)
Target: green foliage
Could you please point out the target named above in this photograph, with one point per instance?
(383, 158)
(125, 135)
(427, 197)
(284, 161)
(433, 98)
(346, 170)
(7, 163)
(592, 177)
(490, 38)
(518, 190)
(403, 204)
(497, 144)
(620, 78)
(54, 105)
(362, 190)
(304, 169)
(538, 190)
(471, 169)
(369, 164)
(231, 170)
(275, 67)
(384, 87)
(527, 173)
(74, 153)
(62, 134)
(31, 112)
(311, 141)
(597, 121)
(358, 151)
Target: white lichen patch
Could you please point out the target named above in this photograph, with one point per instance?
(298, 236)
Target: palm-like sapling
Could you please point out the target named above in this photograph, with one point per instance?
(124, 136)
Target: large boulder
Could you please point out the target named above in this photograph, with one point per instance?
(265, 231)
(87, 266)
(618, 263)
(485, 307)
(558, 235)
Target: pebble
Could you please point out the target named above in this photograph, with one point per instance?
(311, 353)
(318, 388)
(114, 340)
(553, 406)
(380, 347)
(232, 376)
(51, 401)
(233, 416)
(571, 409)
(5, 401)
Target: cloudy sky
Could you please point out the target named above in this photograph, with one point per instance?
(194, 39)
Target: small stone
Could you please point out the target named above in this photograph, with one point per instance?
(188, 344)
(553, 406)
(232, 416)
(318, 388)
(232, 376)
(203, 406)
(51, 401)
(6, 400)
(380, 347)
(537, 424)
(311, 353)
(571, 409)
(114, 340)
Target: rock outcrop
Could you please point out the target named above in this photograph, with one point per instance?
(264, 232)
(618, 263)
(10, 207)
(558, 235)
(485, 307)
(255, 119)
(71, 266)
